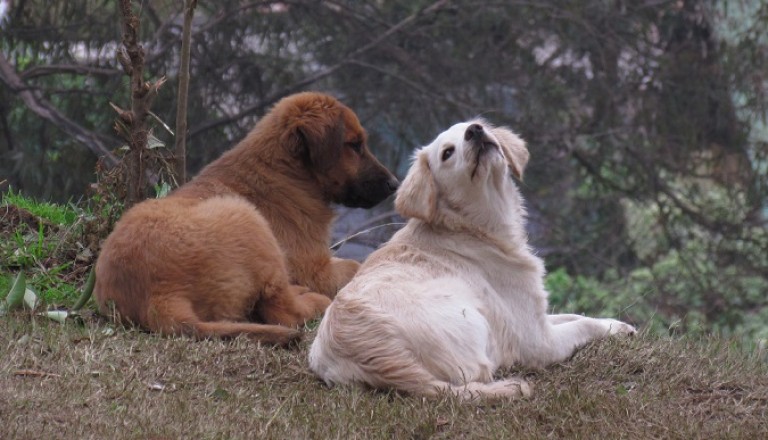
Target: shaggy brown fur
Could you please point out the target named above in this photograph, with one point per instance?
(243, 247)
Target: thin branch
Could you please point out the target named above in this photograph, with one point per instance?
(336, 246)
(44, 109)
(295, 87)
(55, 69)
(414, 85)
(221, 17)
(181, 109)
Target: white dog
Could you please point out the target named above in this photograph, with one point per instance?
(456, 293)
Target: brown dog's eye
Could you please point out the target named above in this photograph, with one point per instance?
(357, 146)
(447, 153)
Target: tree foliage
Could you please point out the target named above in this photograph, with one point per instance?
(646, 120)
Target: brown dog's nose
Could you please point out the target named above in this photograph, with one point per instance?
(474, 131)
(393, 183)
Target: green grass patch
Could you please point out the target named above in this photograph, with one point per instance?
(52, 212)
(29, 247)
(53, 288)
(45, 240)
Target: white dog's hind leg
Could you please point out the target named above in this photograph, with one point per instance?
(357, 343)
(569, 334)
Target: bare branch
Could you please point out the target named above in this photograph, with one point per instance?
(415, 86)
(44, 109)
(55, 69)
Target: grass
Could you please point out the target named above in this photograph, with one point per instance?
(80, 382)
(57, 214)
(46, 241)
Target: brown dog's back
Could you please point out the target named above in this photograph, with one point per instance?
(167, 262)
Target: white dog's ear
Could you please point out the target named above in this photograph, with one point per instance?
(417, 195)
(514, 150)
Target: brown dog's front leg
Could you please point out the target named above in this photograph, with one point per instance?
(292, 307)
(343, 272)
(323, 274)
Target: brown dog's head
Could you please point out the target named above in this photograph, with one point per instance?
(327, 138)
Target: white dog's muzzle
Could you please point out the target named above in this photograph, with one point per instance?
(480, 142)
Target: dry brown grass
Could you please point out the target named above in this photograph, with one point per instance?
(76, 382)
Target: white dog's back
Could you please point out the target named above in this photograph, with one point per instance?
(414, 327)
(397, 329)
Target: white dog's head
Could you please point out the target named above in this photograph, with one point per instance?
(464, 178)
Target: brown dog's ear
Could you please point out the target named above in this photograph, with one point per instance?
(417, 195)
(514, 150)
(315, 130)
(322, 139)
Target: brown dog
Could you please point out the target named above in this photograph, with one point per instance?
(238, 249)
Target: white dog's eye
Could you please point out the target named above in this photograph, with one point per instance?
(447, 153)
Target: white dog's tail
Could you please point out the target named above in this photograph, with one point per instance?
(359, 345)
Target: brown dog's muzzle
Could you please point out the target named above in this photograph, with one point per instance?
(373, 184)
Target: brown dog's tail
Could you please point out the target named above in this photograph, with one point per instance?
(266, 333)
(176, 317)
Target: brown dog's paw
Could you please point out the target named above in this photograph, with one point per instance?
(293, 307)
(317, 303)
(344, 270)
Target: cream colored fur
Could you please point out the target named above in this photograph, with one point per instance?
(457, 293)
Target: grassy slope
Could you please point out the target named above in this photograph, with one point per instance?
(101, 386)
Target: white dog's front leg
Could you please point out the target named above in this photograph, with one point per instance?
(568, 332)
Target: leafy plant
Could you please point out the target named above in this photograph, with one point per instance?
(15, 297)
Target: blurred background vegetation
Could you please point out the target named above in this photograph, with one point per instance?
(646, 121)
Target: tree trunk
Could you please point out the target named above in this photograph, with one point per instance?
(131, 56)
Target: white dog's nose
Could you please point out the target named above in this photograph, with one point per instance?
(474, 131)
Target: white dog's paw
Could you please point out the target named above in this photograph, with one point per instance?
(616, 327)
(500, 389)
